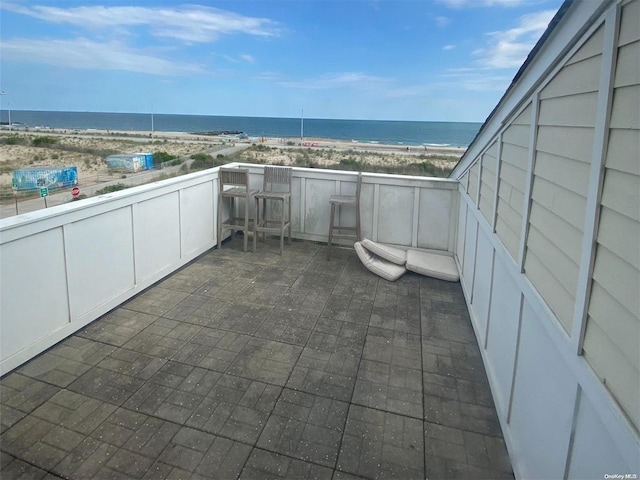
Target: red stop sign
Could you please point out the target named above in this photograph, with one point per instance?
(75, 191)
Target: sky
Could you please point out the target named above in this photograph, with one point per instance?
(425, 60)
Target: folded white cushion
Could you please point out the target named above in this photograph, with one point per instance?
(387, 270)
(392, 254)
(433, 265)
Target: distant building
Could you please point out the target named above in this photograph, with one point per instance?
(50, 177)
(130, 162)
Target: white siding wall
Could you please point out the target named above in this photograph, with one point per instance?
(561, 178)
(488, 181)
(513, 171)
(613, 326)
(559, 270)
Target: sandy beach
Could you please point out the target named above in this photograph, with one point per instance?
(88, 149)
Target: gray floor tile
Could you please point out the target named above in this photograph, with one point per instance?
(24, 394)
(379, 444)
(174, 392)
(263, 465)
(327, 374)
(305, 426)
(266, 361)
(262, 366)
(212, 348)
(238, 408)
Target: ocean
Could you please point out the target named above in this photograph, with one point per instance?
(458, 134)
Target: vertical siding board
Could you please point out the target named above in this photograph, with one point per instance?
(592, 213)
(529, 183)
(496, 186)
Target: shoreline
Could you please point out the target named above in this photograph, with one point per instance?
(312, 142)
(87, 150)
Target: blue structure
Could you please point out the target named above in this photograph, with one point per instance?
(130, 162)
(50, 177)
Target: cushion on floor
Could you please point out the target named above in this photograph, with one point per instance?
(392, 254)
(433, 265)
(379, 266)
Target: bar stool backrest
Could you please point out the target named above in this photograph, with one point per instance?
(277, 179)
(235, 177)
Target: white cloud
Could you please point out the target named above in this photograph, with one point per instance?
(509, 48)
(336, 80)
(442, 21)
(248, 58)
(83, 53)
(476, 80)
(448, 47)
(189, 23)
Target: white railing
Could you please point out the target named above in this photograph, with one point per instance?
(64, 267)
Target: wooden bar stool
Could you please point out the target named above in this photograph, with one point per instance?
(234, 184)
(276, 186)
(337, 202)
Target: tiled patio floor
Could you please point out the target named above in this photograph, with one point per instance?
(260, 366)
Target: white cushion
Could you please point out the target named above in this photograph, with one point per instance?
(433, 265)
(392, 254)
(387, 270)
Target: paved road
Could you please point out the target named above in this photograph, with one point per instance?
(25, 206)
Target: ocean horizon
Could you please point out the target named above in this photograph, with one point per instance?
(456, 134)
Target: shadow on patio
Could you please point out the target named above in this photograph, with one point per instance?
(260, 366)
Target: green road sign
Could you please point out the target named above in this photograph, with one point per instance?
(44, 192)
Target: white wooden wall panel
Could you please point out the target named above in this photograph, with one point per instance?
(156, 235)
(197, 222)
(502, 336)
(594, 453)
(434, 218)
(33, 276)
(317, 206)
(482, 286)
(396, 210)
(470, 230)
(575, 173)
(461, 233)
(100, 265)
(544, 388)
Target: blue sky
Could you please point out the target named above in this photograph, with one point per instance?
(432, 60)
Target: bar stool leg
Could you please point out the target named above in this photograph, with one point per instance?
(220, 199)
(289, 218)
(255, 225)
(332, 217)
(246, 225)
(282, 228)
